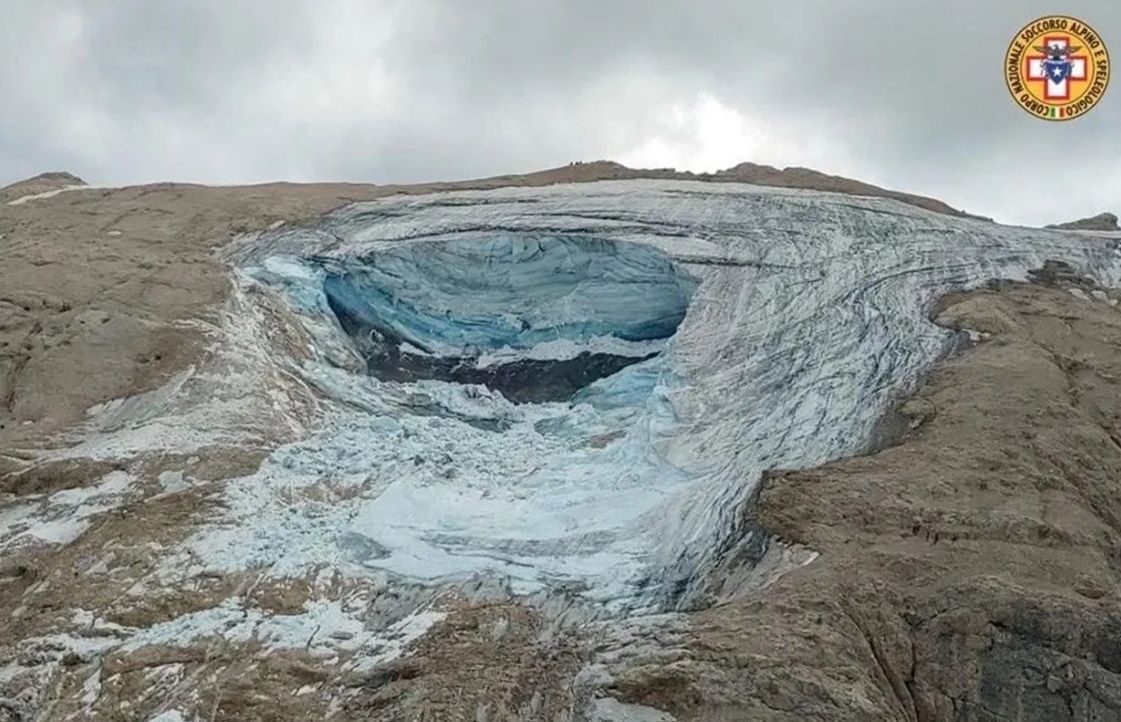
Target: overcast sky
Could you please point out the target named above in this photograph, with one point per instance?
(903, 93)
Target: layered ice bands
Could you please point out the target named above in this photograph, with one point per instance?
(574, 390)
(533, 317)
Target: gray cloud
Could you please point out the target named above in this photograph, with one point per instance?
(905, 94)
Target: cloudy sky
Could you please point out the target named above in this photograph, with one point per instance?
(903, 93)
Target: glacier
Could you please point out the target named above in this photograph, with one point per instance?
(574, 390)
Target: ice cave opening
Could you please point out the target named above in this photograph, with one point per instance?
(509, 424)
(534, 318)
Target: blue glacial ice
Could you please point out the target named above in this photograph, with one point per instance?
(681, 339)
(534, 317)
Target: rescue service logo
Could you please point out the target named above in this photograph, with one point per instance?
(1057, 68)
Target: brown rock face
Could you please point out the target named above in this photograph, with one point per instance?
(806, 178)
(1100, 222)
(97, 283)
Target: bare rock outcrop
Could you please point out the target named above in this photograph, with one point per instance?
(807, 178)
(1100, 222)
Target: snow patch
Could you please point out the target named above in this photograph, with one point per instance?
(609, 709)
(173, 482)
(91, 689)
(324, 629)
(48, 194)
(64, 516)
(396, 638)
(172, 715)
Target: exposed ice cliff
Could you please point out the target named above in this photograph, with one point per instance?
(536, 318)
(575, 389)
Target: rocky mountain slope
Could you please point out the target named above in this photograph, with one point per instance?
(1100, 222)
(640, 448)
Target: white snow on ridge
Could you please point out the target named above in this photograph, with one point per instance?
(49, 194)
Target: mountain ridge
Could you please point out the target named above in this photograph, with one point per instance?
(577, 172)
